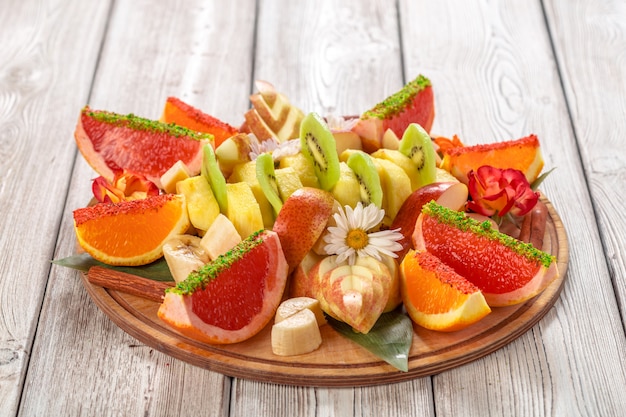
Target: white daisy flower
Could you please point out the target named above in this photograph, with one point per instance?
(351, 237)
(257, 147)
(287, 148)
(336, 123)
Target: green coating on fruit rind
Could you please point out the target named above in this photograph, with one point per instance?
(460, 221)
(397, 102)
(199, 279)
(133, 122)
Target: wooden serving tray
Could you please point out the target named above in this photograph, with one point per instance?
(340, 362)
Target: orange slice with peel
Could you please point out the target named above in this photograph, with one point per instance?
(438, 298)
(183, 114)
(130, 232)
(522, 154)
(506, 270)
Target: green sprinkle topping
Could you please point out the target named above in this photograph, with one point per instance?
(131, 121)
(201, 278)
(460, 221)
(397, 102)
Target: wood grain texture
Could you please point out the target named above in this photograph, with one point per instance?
(86, 365)
(35, 159)
(590, 45)
(496, 78)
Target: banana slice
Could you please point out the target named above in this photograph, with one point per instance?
(296, 335)
(183, 255)
(293, 306)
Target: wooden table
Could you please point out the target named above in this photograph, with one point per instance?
(500, 70)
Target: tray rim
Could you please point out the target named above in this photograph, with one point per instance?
(119, 308)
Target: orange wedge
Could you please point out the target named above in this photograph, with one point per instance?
(178, 112)
(130, 232)
(438, 298)
(523, 154)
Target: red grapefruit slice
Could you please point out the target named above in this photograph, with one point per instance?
(505, 269)
(110, 142)
(415, 103)
(232, 298)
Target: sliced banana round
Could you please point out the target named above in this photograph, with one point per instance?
(296, 335)
(184, 254)
(293, 306)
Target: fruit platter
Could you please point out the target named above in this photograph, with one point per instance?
(315, 251)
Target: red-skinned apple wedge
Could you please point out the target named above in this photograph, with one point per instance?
(301, 221)
(449, 194)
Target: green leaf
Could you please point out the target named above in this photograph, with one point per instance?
(157, 270)
(390, 339)
(536, 183)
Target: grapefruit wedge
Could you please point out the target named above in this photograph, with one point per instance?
(436, 297)
(414, 103)
(506, 270)
(232, 298)
(110, 142)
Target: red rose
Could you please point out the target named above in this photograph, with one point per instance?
(500, 191)
(124, 187)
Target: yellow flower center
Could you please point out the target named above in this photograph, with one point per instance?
(357, 239)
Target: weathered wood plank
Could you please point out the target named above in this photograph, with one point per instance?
(37, 89)
(495, 79)
(82, 360)
(590, 42)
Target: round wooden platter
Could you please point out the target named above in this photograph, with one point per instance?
(340, 362)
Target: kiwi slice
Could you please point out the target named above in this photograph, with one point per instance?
(417, 145)
(318, 145)
(367, 175)
(211, 171)
(266, 176)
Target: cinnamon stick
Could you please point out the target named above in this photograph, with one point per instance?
(128, 283)
(534, 225)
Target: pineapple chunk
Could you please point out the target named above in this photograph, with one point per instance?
(303, 167)
(288, 181)
(246, 172)
(202, 206)
(243, 209)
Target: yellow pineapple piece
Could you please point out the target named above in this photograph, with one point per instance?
(303, 167)
(246, 172)
(243, 210)
(288, 181)
(202, 206)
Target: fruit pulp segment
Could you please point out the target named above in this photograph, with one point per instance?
(420, 111)
(236, 295)
(123, 147)
(432, 287)
(181, 113)
(131, 228)
(486, 263)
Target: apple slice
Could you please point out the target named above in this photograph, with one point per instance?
(355, 294)
(452, 195)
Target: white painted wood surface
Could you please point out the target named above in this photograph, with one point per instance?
(500, 70)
